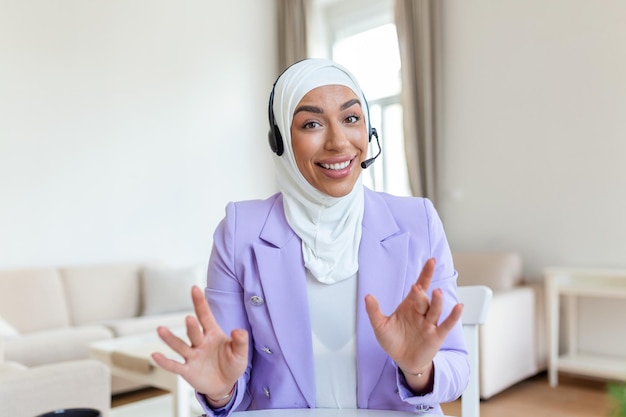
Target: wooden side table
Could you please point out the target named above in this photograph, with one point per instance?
(567, 285)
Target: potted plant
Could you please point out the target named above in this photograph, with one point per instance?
(617, 394)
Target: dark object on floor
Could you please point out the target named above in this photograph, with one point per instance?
(73, 412)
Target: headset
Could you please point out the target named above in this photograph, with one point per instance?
(276, 139)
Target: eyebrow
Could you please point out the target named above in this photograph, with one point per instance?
(319, 110)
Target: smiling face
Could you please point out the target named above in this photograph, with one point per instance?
(329, 138)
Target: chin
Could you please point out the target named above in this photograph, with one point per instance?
(339, 192)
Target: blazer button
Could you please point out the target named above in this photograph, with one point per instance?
(266, 391)
(256, 301)
(267, 350)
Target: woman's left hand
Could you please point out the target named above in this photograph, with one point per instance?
(412, 335)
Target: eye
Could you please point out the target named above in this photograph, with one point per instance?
(353, 118)
(311, 125)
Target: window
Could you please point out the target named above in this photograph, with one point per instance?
(361, 36)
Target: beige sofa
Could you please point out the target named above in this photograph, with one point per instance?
(51, 315)
(28, 392)
(512, 340)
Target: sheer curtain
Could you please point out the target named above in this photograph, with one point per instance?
(292, 28)
(418, 25)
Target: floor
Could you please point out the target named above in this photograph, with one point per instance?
(573, 397)
(131, 397)
(159, 406)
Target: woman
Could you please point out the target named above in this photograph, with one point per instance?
(299, 285)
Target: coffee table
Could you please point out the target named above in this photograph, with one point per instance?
(129, 357)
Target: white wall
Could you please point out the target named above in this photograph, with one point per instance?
(127, 125)
(534, 129)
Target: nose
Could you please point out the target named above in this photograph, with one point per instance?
(336, 137)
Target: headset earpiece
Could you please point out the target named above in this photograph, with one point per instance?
(276, 140)
(274, 136)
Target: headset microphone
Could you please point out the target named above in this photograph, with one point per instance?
(370, 161)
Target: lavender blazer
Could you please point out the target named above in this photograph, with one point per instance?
(256, 281)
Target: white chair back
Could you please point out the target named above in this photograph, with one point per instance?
(476, 300)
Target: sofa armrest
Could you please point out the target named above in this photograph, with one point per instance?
(11, 367)
(54, 345)
(76, 384)
(508, 341)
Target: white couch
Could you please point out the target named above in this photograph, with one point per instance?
(51, 315)
(512, 340)
(27, 392)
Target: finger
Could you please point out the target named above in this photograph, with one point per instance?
(447, 325)
(377, 318)
(177, 344)
(240, 343)
(168, 364)
(194, 331)
(426, 275)
(436, 306)
(201, 307)
(416, 293)
(419, 296)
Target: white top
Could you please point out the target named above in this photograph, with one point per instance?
(333, 322)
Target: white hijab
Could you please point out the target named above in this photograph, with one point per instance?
(329, 227)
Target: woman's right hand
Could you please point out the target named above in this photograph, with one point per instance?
(213, 362)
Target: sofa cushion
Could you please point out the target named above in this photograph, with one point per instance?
(58, 345)
(497, 270)
(33, 299)
(168, 289)
(100, 293)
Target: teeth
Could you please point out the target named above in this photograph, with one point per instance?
(341, 165)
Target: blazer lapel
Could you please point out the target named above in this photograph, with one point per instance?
(284, 285)
(383, 255)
